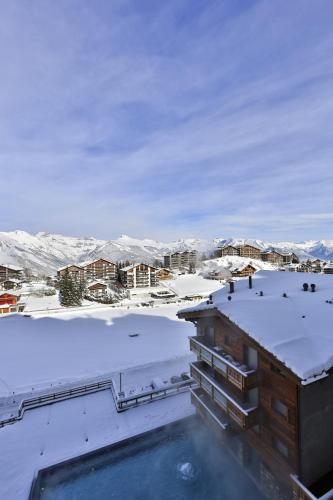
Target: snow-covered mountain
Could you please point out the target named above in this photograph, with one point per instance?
(44, 252)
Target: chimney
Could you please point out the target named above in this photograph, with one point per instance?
(313, 287)
(232, 287)
(250, 281)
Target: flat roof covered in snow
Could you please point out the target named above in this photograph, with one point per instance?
(296, 329)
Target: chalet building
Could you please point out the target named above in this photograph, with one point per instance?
(10, 303)
(242, 271)
(274, 257)
(219, 275)
(328, 269)
(139, 276)
(264, 373)
(249, 251)
(10, 272)
(11, 284)
(97, 289)
(100, 269)
(229, 250)
(164, 274)
(73, 270)
(179, 260)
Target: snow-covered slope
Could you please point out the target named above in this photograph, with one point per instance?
(44, 252)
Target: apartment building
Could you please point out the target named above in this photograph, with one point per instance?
(100, 269)
(264, 369)
(10, 272)
(273, 257)
(97, 289)
(179, 260)
(139, 276)
(229, 250)
(73, 270)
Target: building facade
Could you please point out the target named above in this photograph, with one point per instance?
(229, 250)
(139, 276)
(73, 270)
(10, 272)
(243, 386)
(10, 303)
(100, 269)
(179, 260)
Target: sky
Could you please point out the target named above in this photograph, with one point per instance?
(185, 118)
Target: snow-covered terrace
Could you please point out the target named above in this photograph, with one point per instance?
(73, 346)
(297, 329)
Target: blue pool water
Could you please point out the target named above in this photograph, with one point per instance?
(180, 462)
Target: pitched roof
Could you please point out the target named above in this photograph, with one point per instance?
(297, 329)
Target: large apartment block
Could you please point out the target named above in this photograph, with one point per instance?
(273, 256)
(139, 276)
(99, 269)
(264, 363)
(8, 272)
(180, 260)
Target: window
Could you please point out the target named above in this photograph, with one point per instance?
(227, 340)
(281, 447)
(280, 407)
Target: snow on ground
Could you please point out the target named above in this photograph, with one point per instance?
(227, 262)
(38, 352)
(50, 434)
(190, 284)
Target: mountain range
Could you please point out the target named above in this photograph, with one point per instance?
(43, 253)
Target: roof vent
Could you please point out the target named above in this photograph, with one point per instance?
(305, 287)
(261, 293)
(231, 287)
(284, 295)
(229, 297)
(250, 281)
(313, 287)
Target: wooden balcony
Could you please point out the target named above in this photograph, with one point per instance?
(301, 492)
(239, 375)
(207, 408)
(244, 414)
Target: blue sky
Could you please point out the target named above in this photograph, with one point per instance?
(167, 119)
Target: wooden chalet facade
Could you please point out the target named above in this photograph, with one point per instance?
(139, 276)
(249, 251)
(229, 250)
(100, 269)
(10, 272)
(10, 303)
(164, 274)
(273, 256)
(97, 289)
(242, 386)
(73, 270)
(243, 271)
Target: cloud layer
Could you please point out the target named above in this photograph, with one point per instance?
(167, 119)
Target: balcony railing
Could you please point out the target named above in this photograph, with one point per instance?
(244, 414)
(301, 492)
(239, 375)
(207, 407)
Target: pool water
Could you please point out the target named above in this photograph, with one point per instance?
(183, 461)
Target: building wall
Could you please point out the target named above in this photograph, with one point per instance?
(249, 251)
(316, 429)
(229, 250)
(100, 269)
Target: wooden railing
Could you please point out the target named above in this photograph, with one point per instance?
(238, 377)
(244, 417)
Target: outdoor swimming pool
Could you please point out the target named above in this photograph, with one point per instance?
(182, 461)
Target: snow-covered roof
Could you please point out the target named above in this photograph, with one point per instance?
(70, 265)
(132, 266)
(10, 266)
(94, 283)
(297, 329)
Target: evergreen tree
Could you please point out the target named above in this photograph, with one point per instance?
(71, 290)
